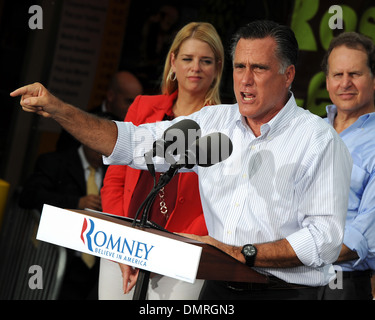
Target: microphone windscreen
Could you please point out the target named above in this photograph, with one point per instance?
(182, 134)
(184, 126)
(209, 150)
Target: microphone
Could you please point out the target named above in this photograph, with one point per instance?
(175, 140)
(208, 150)
(203, 151)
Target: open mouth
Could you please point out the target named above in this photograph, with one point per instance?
(247, 96)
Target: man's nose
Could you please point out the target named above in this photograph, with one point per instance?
(346, 81)
(248, 77)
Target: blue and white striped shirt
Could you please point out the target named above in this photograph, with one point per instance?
(359, 233)
(290, 182)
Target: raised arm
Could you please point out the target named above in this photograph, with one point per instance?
(97, 133)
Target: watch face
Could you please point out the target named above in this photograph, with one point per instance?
(249, 250)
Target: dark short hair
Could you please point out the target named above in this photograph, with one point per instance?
(287, 45)
(352, 40)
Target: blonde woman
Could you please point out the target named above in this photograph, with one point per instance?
(191, 80)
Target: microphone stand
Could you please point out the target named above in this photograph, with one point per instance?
(143, 275)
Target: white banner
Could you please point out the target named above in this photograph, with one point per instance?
(116, 242)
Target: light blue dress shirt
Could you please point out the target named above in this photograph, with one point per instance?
(359, 233)
(290, 182)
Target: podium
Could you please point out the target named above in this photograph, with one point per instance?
(81, 230)
(230, 269)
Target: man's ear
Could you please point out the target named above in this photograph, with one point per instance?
(290, 73)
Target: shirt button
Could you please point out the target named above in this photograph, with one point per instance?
(181, 199)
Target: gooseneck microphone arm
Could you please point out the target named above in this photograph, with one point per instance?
(141, 287)
(147, 203)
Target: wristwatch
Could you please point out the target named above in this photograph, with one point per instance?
(250, 253)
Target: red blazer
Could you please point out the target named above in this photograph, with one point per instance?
(120, 181)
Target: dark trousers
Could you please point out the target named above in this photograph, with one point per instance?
(354, 285)
(219, 290)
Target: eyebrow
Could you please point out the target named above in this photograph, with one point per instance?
(191, 55)
(346, 71)
(260, 65)
(252, 65)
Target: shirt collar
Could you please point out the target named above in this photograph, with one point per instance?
(331, 113)
(361, 121)
(282, 118)
(85, 163)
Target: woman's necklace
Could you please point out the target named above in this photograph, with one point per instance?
(163, 205)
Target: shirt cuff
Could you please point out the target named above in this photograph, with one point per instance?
(122, 152)
(304, 246)
(355, 241)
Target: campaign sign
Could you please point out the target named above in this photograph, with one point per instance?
(116, 242)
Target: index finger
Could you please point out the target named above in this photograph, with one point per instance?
(31, 89)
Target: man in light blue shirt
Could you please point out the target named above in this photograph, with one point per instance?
(279, 202)
(350, 68)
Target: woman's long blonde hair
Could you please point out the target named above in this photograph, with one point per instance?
(205, 32)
